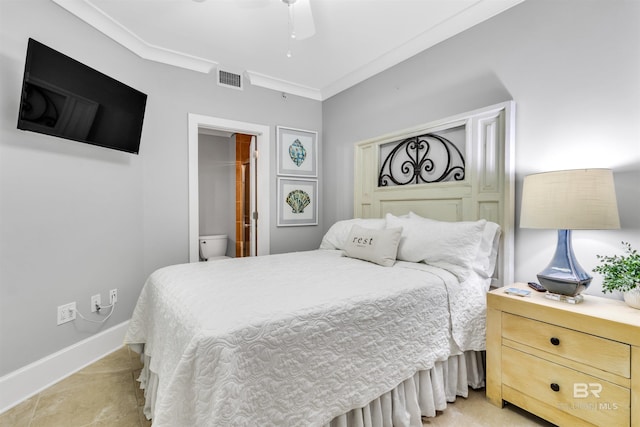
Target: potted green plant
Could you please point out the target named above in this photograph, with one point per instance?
(622, 273)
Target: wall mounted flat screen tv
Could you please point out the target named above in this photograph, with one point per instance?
(65, 98)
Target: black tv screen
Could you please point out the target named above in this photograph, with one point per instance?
(65, 98)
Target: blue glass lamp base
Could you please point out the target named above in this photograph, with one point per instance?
(564, 275)
(563, 288)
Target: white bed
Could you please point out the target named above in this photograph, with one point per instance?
(293, 339)
(322, 338)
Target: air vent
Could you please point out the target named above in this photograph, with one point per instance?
(229, 79)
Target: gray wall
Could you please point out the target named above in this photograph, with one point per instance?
(217, 187)
(76, 220)
(573, 69)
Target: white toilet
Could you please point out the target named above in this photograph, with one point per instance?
(213, 247)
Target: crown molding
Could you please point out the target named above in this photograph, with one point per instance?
(98, 19)
(102, 22)
(273, 83)
(467, 18)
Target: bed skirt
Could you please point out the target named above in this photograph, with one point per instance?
(420, 396)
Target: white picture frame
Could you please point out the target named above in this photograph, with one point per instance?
(297, 152)
(297, 202)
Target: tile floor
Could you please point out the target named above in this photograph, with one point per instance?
(107, 394)
(102, 394)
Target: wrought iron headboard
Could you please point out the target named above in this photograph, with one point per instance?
(412, 156)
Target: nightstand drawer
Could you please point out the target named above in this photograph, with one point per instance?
(600, 353)
(567, 390)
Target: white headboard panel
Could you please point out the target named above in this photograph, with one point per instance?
(486, 190)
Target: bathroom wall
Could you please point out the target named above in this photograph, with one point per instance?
(217, 186)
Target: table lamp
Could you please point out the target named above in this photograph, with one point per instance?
(581, 199)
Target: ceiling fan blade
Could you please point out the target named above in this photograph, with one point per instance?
(303, 24)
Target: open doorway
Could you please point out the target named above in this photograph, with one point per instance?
(261, 138)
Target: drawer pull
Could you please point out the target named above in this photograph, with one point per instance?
(555, 387)
(555, 341)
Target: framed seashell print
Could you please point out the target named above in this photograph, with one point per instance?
(297, 152)
(297, 202)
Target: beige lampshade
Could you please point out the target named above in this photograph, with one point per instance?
(581, 199)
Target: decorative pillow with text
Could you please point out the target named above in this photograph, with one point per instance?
(377, 246)
(337, 235)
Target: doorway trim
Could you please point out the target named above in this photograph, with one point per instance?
(263, 142)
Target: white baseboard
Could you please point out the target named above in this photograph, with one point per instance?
(27, 381)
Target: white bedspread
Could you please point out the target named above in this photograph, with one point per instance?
(293, 339)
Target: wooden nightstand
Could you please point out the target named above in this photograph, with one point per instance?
(571, 364)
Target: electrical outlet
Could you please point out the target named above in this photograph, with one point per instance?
(95, 300)
(66, 313)
(113, 296)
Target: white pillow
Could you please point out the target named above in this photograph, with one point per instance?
(485, 262)
(336, 236)
(377, 246)
(449, 245)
